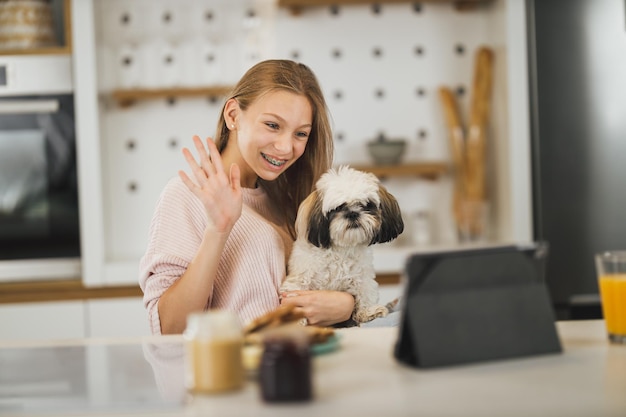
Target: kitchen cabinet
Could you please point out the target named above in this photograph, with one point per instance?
(56, 320)
(118, 317)
(39, 321)
(68, 309)
(13, 11)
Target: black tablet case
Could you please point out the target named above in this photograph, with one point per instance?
(476, 305)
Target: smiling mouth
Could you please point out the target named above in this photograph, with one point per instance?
(275, 162)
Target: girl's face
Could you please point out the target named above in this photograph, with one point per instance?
(270, 135)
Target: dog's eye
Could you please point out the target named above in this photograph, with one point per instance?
(370, 205)
(336, 210)
(340, 207)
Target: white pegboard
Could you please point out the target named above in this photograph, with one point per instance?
(160, 44)
(142, 153)
(172, 43)
(379, 68)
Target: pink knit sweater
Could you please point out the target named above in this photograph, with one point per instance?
(252, 266)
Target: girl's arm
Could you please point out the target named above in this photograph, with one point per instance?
(191, 292)
(221, 197)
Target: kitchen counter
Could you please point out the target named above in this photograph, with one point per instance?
(145, 377)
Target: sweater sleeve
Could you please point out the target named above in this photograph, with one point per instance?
(174, 237)
(252, 265)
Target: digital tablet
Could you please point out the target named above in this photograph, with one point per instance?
(476, 304)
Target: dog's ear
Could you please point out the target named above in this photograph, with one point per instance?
(391, 218)
(302, 218)
(318, 225)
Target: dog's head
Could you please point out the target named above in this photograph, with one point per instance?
(349, 208)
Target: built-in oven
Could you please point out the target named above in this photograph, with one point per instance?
(39, 218)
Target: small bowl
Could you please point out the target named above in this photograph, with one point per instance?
(386, 152)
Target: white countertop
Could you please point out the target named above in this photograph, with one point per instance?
(145, 377)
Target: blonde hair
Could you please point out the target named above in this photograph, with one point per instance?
(295, 184)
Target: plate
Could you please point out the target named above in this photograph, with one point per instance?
(328, 346)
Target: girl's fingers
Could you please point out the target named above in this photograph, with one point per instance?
(205, 156)
(235, 177)
(215, 159)
(190, 159)
(200, 147)
(299, 311)
(197, 170)
(186, 180)
(210, 166)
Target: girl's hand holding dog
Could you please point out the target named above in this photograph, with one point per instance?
(321, 307)
(219, 193)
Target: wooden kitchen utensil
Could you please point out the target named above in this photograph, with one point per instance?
(479, 115)
(457, 146)
(475, 203)
(469, 147)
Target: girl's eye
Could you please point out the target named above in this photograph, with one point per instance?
(302, 135)
(272, 125)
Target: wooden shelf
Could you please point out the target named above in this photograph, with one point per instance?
(296, 6)
(127, 97)
(429, 170)
(388, 279)
(72, 290)
(52, 50)
(39, 291)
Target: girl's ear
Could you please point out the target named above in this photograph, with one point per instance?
(231, 111)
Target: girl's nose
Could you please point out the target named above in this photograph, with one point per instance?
(283, 143)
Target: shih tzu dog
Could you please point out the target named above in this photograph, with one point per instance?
(348, 211)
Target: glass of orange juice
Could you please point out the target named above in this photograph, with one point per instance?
(611, 270)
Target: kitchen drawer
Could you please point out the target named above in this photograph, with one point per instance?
(46, 320)
(119, 317)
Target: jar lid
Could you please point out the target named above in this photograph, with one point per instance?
(213, 324)
(293, 333)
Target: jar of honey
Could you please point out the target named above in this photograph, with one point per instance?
(213, 358)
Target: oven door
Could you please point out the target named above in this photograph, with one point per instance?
(39, 224)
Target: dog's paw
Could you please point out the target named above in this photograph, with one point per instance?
(286, 288)
(371, 313)
(296, 282)
(289, 285)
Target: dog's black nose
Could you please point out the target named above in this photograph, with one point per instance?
(352, 215)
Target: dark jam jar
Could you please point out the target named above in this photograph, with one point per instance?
(285, 370)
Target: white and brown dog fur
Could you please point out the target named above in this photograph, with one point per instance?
(348, 211)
